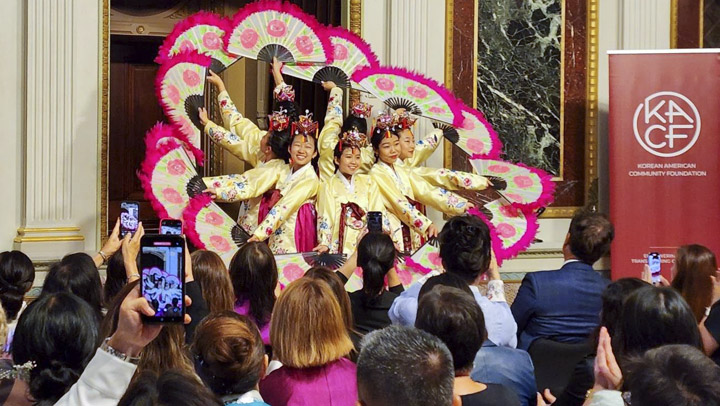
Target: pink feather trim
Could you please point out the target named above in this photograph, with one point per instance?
(453, 103)
(287, 8)
(356, 40)
(190, 213)
(501, 253)
(497, 145)
(185, 57)
(153, 154)
(548, 186)
(200, 18)
(410, 263)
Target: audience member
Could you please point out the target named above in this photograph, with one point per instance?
(693, 274)
(77, 274)
(212, 275)
(169, 388)
(311, 341)
(465, 249)
(338, 287)
(564, 305)
(58, 334)
(254, 279)
(230, 358)
(405, 366)
(17, 274)
(115, 279)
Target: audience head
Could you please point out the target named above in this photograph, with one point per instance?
(465, 247)
(674, 375)
(229, 353)
(109, 323)
(168, 388)
(17, 274)
(652, 317)
(167, 352)
(58, 332)
(77, 274)
(210, 272)
(613, 298)
(444, 279)
(376, 256)
(454, 317)
(405, 366)
(338, 288)
(694, 265)
(254, 276)
(307, 328)
(116, 277)
(590, 236)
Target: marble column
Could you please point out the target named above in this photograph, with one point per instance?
(62, 128)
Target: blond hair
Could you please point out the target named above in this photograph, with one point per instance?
(307, 327)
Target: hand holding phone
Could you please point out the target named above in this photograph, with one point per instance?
(129, 217)
(162, 277)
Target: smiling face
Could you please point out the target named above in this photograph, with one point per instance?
(388, 150)
(349, 161)
(407, 144)
(302, 150)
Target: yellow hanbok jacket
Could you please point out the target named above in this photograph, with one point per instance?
(296, 189)
(342, 210)
(330, 134)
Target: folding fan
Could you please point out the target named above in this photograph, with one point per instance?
(210, 228)
(476, 136)
(162, 133)
(417, 94)
(350, 53)
(512, 230)
(202, 32)
(523, 186)
(180, 88)
(293, 266)
(168, 177)
(269, 28)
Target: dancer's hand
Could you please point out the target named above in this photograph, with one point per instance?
(321, 249)
(216, 80)
(432, 231)
(469, 206)
(277, 71)
(253, 239)
(212, 192)
(202, 112)
(328, 86)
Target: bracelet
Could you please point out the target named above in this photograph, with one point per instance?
(117, 354)
(104, 256)
(135, 275)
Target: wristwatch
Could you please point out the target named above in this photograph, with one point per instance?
(117, 354)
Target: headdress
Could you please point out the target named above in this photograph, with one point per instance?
(385, 121)
(279, 120)
(361, 110)
(353, 138)
(284, 92)
(305, 125)
(405, 120)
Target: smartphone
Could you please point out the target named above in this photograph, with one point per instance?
(171, 227)
(162, 277)
(374, 221)
(129, 217)
(653, 259)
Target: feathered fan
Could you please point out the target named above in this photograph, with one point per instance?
(202, 32)
(167, 176)
(422, 262)
(350, 52)
(476, 136)
(162, 133)
(180, 88)
(268, 28)
(512, 230)
(210, 228)
(523, 186)
(415, 93)
(293, 266)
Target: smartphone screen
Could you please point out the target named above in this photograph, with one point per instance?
(374, 220)
(162, 274)
(171, 227)
(129, 217)
(654, 265)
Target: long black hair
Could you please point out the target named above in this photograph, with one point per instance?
(376, 256)
(58, 332)
(76, 273)
(116, 278)
(253, 272)
(17, 274)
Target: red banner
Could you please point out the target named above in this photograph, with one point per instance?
(664, 150)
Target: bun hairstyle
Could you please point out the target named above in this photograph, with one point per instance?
(229, 353)
(359, 113)
(17, 274)
(465, 247)
(376, 256)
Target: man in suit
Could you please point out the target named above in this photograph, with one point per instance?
(564, 305)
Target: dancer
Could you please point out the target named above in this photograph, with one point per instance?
(286, 213)
(346, 197)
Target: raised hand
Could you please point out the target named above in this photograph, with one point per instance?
(202, 112)
(216, 81)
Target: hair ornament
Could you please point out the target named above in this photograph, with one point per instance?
(305, 125)
(405, 120)
(361, 109)
(21, 372)
(279, 120)
(284, 92)
(354, 139)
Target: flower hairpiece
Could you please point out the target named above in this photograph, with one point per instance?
(385, 121)
(279, 120)
(405, 120)
(361, 110)
(285, 92)
(21, 372)
(353, 138)
(305, 125)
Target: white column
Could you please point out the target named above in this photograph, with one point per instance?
(645, 24)
(62, 128)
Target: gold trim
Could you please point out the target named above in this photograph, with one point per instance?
(355, 26)
(449, 29)
(561, 174)
(104, 119)
(540, 253)
(24, 230)
(49, 239)
(701, 25)
(673, 23)
(559, 212)
(591, 97)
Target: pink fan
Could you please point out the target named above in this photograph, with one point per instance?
(417, 94)
(180, 88)
(270, 28)
(512, 230)
(523, 186)
(476, 136)
(210, 228)
(162, 133)
(350, 53)
(167, 174)
(202, 32)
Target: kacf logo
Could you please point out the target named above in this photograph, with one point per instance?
(667, 124)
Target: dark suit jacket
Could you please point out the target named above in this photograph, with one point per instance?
(562, 305)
